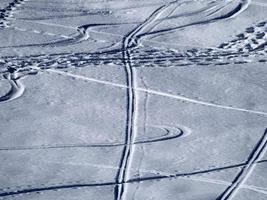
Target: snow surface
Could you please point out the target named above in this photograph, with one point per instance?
(133, 100)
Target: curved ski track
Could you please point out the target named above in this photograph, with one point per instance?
(171, 133)
(130, 42)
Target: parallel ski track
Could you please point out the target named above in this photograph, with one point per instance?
(167, 176)
(131, 120)
(254, 157)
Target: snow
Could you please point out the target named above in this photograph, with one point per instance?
(133, 100)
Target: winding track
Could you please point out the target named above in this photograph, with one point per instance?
(130, 41)
(240, 7)
(203, 58)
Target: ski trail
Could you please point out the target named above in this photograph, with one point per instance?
(163, 175)
(130, 41)
(243, 175)
(81, 28)
(82, 33)
(241, 7)
(127, 152)
(159, 93)
(86, 28)
(171, 133)
(186, 99)
(86, 78)
(17, 88)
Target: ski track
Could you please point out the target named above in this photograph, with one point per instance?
(163, 176)
(159, 93)
(257, 153)
(83, 33)
(171, 133)
(242, 6)
(131, 41)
